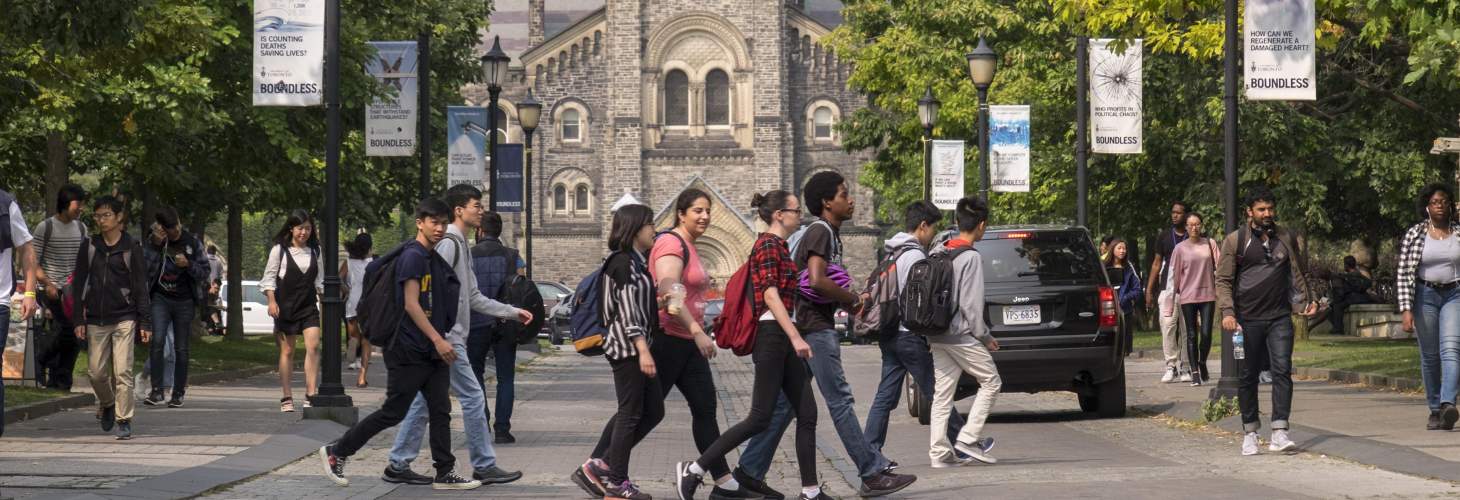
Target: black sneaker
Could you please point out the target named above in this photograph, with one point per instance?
(591, 487)
(624, 491)
(885, 484)
(505, 437)
(107, 417)
(334, 467)
(495, 475)
(756, 486)
(1448, 416)
(176, 401)
(124, 430)
(685, 481)
(451, 481)
(819, 496)
(1434, 422)
(154, 398)
(741, 494)
(404, 476)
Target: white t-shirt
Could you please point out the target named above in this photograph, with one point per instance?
(356, 268)
(19, 236)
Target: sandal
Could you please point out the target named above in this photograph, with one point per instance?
(286, 405)
(362, 384)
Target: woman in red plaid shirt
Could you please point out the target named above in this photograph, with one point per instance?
(779, 354)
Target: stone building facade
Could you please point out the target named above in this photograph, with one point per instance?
(651, 97)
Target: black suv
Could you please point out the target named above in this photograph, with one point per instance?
(1055, 314)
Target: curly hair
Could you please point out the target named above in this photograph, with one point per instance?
(1428, 192)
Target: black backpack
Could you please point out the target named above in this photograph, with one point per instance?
(522, 293)
(6, 241)
(928, 303)
(381, 309)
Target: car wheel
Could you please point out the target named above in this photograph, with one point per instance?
(919, 405)
(1108, 400)
(556, 337)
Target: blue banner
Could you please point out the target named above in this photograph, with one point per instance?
(509, 178)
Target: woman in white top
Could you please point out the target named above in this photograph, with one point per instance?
(293, 283)
(352, 273)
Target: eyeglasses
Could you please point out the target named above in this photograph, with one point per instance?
(103, 215)
(1439, 202)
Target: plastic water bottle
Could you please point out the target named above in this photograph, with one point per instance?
(1238, 350)
(677, 294)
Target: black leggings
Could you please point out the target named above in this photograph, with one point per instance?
(777, 371)
(1198, 319)
(640, 408)
(681, 365)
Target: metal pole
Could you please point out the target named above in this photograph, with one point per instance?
(494, 92)
(983, 142)
(1227, 385)
(529, 211)
(423, 123)
(1082, 131)
(928, 164)
(331, 402)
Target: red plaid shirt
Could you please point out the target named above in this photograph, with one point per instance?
(771, 266)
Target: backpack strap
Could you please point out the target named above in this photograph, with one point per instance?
(47, 227)
(683, 247)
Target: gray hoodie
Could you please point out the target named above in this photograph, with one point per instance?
(968, 325)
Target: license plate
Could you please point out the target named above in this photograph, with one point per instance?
(1021, 315)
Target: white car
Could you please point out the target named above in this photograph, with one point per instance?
(256, 320)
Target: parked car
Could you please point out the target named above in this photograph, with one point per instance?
(553, 293)
(1054, 312)
(256, 320)
(557, 321)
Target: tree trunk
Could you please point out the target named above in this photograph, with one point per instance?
(235, 272)
(56, 171)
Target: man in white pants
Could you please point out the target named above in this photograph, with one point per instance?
(1162, 246)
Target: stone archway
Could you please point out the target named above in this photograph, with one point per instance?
(726, 243)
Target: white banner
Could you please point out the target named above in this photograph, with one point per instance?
(947, 178)
(1009, 148)
(288, 52)
(466, 146)
(390, 123)
(1278, 55)
(1115, 98)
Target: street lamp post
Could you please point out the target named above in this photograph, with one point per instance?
(529, 112)
(982, 63)
(1082, 123)
(1227, 385)
(928, 116)
(494, 70)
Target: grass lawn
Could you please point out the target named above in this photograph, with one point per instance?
(214, 354)
(16, 395)
(1379, 356)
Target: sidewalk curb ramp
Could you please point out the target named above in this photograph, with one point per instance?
(81, 400)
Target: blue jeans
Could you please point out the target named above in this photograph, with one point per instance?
(504, 358)
(903, 353)
(175, 318)
(169, 360)
(1276, 338)
(826, 369)
(473, 409)
(1437, 326)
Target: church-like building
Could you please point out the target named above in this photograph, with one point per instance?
(651, 97)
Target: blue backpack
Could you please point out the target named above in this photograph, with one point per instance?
(586, 321)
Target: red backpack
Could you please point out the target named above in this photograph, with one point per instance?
(735, 328)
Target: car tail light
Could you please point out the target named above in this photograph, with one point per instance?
(1108, 311)
(1018, 236)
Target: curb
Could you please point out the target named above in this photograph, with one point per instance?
(1370, 380)
(51, 407)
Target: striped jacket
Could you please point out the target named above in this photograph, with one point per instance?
(1411, 249)
(630, 304)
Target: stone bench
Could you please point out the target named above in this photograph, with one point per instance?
(1380, 321)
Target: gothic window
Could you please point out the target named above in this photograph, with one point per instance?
(501, 126)
(571, 125)
(580, 198)
(676, 98)
(822, 120)
(717, 98)
(560, 198)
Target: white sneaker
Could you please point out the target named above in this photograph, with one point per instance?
(1169, 376)
(950, 460)
(1249, 444)
(1280, 442)
(1186, 377)
(1265, 377)
(355, 366)
(975, 452)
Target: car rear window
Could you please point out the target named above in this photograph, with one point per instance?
(1038, 257)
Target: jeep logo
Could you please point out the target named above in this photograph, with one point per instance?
(1021, 300)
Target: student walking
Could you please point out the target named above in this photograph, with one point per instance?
(1159, 290)
(1127, 280)
(292, 282)
(779, 355)
(630, 311)
(16, 252)
(353, 274)
(1261, 283)
(904, 352)
(57, 240)
(816, 254)
(178, 270)
(418, 359)
(495, 265)
(111, 305)
(466, 215)
(966, 348)
(1193, 279)
(1429, 273)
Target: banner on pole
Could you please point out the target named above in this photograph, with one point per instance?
(288, 52)
(947, 178)
(390, 123)
(1009, 148)
(1278, 52)
(466, 146)
(509, 178)
(1115, 98)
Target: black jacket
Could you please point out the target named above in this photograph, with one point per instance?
(198, 264)
(111, 288)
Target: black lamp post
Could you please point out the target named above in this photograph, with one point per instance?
(928, 116)
(529, 112)
(982, 63)
(1227, 385)
(494, 70)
